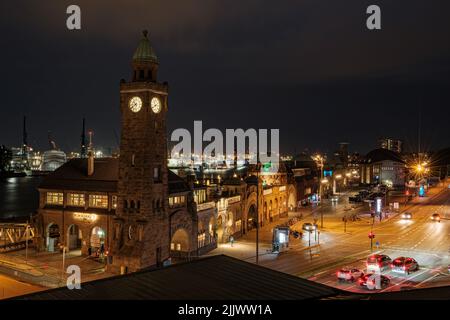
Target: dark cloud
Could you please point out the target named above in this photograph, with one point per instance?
(310, 68)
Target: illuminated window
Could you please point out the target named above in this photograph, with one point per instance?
(75, 199)
(55, 198)
(98, 201)
(201, 239)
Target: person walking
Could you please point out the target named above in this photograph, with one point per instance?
(231, 241)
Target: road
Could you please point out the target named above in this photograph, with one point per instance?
(420, 238)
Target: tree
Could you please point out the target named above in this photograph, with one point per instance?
(5, 158)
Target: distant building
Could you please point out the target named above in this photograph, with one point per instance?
(382, 166)
(391, 144)
(52, 160)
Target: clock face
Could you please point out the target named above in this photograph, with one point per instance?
(156, 105)
(135, 104)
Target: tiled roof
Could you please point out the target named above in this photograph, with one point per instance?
(73, 176)
(218, 277)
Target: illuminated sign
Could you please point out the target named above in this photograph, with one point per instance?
(328, 173)
(378, 205)
(84, 217)
(421, 191)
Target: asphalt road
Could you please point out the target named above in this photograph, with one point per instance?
(424, 240)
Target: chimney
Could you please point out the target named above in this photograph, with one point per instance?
(90, 163)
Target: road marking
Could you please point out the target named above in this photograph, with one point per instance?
(426, 280)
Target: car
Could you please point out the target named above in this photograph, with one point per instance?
(404, 265)
(370, 281)
(349, 274)
(436, 217)
(378, 263)
(406, 216)
(308, 226)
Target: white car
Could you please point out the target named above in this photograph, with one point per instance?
(406, 216)
(349, 274)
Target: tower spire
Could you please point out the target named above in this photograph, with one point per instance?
(144, 62)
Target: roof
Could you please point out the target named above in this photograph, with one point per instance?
(144, 52)
(176, 183)
(72, 175)
(436, 293)
(379, 155)
(217, 277)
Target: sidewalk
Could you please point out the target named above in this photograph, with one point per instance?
(46, 269)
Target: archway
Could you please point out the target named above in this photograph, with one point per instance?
(211, 230)
(97, 241)
(270, 211)
(265, 212)
(220, 228)
(230, 225)
(291, 201)
(251, 217)
(180, 241)
(74, 237)
(52, 237)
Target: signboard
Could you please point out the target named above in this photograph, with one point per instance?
(378, 205)
(85, 217)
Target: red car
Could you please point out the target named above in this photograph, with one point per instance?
(404, 265)
(370, 281)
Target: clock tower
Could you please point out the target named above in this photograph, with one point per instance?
(140, 237)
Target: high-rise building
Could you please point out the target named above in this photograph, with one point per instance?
(390, 144)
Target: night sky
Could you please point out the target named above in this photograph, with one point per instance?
(308, 67)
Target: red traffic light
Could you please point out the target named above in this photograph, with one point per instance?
(371, 235)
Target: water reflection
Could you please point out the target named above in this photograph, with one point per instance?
(18, 196)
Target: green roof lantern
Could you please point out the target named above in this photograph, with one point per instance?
(144, 52)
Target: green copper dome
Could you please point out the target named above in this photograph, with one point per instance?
(144, 52)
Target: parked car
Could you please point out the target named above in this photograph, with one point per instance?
(404, 265)
(406, 216)
(349, 274)
(378, 263)
(436, 217)
(369, 281)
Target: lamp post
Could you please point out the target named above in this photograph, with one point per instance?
(258, 167)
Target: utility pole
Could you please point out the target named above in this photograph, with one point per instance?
(63, 263)
(26, 243)
(257, 211)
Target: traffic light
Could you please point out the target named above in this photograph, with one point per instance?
(371, 235)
